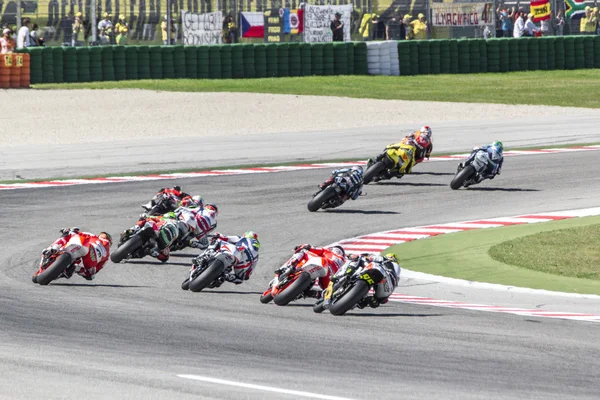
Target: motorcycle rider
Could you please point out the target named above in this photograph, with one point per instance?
(334, 257)
(196, 222)
(174, 192)
(422, 141)
(247, 247)
(351, 180)
(90, 251)
(389, 267)
(494, 167)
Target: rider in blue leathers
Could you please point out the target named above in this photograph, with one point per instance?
(349, 179)
(494, 151)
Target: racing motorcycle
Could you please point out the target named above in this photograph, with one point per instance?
(54, 265)
(138, 241)
(210, 267)
(163, 203)
(331, 196)
(349, 289)
(388, 164)
(294, 280)
(468, 172)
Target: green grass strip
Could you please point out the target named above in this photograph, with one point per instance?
(573, 252)
(465, 255)
(570, 89)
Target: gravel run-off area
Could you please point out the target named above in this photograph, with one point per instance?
(87, 116)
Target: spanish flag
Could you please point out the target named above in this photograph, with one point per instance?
(540, 10)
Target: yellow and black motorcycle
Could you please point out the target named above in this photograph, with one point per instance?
(396, 160)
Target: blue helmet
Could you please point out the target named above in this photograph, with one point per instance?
(498, 145)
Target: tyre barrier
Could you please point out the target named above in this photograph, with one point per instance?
(414, 57)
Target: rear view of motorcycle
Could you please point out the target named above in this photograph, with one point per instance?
(209, 268)
(349, 289)
(468, 172)
(53, 266)
(294, 279)
(389, 163)
(138, 241)
(343, 184)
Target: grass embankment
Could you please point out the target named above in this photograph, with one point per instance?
(557, 88)
(466, 255)
(573, 252)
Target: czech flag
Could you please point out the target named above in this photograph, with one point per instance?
(253, 24)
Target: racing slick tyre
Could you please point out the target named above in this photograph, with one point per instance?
(374, 171)
(320, 199)
(464, 175)
(292, 292)
(350, 299)
(54, 270)
(214, 270)
(134, 243)
(185, 285)
(319, 307)
(266, 298)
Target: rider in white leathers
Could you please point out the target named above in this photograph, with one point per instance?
(245, 250)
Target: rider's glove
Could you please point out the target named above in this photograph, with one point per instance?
(302, 247)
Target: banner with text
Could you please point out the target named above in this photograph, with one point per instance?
(201, 29)
(540, 10)
(462, 14)
(317, 22)
(274, 25)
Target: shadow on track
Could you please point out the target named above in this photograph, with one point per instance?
(98, 285)
(404, 183)
(130, 262)
(228, 292)
(184, 254)
(434, 173)
(373, 212)
(493, 189)
(394, 315)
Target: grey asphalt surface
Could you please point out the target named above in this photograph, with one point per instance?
(132, 330)
(74, 160)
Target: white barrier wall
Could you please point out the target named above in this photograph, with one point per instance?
(382, 58)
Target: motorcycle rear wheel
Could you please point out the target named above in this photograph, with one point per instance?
(320, 199)
(292, 292)
(350, 299)
(55, 269)
(130, 246)
(464, 175)
(374, 171)
(214, 270)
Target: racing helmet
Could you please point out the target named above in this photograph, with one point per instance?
(499, 146)
(178, 188)
(339, 250)
(391, 257)
(253, 235)
(212, 207)
(358, 169)
(192, 201)
(108, 237)
(426, 131)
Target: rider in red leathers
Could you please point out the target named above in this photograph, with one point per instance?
(334, 258)
(421, 139)
(90, 251)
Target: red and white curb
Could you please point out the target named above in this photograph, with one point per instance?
(258, 170)
(375, 243)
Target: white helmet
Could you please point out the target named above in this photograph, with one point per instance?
(426, 130)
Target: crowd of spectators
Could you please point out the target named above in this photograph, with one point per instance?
(25, 37)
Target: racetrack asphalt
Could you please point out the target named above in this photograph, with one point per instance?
(130, 332)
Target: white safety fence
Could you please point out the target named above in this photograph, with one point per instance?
(382, 58)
